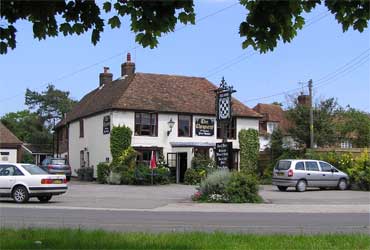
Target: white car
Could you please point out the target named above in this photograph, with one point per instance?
(22, 181)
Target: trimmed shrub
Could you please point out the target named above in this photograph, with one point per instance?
(103, 170)
(120, 139)
(249, 150)
(242, 188)
(194, 176)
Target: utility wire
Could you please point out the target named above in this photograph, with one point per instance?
(119, 54)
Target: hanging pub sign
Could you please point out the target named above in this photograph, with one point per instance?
(106, 124)
(223, 154)
(204, 127)
(223, 102)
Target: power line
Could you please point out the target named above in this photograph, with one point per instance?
(118, 54)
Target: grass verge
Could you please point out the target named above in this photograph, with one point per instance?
(83, 239)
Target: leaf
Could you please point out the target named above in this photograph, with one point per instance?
(107, 6)
(114, 22)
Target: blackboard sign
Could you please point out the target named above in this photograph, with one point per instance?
(223, 154)
(204, 127)
(106, 124)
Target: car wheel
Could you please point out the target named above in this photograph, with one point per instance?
(68, 178)
(20, 194)
(282, 188)
(342, 184)
(301, 186)
(44, 199)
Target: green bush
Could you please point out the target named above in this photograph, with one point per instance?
(120, 139)
(194, 176)
(103, 170)
(249, 150)
(359, 172)
(201, 161)
(242, 188)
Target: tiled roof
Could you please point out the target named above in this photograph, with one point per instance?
(157, 93)
(273, 113)
(7, 137)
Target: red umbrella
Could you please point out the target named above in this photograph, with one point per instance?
(153, 161)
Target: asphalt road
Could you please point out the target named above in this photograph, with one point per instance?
(150, 221)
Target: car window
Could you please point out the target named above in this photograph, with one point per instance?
(9, 170)
(312, 166)
(325, 167)
(283, 165)
(58, 162)
(299, 165)
(34, 170)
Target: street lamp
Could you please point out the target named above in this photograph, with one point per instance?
(170, 125)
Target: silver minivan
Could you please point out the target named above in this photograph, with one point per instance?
(303, 173)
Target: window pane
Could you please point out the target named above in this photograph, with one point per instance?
(312, 166)
(325, 167)
(283, 165)
(184, 125)
(299, 166)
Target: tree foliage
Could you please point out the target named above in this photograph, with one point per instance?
(249, 149)
(266, 22)
(27, 126)
(276, 144)
(323, 123)
(50, 104)
(354, 125)
(149, 19)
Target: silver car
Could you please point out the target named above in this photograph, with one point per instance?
(303, 173)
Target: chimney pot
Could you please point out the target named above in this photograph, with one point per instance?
(128, 67)
(105, 77)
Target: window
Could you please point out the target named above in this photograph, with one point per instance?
(271, 127)
(185, 126)
(299, 166)
(283, 165)
(81, 128)
(312, 166)
(144, 155)
(325, 167)
(230, 130)
(146, 124)
(346, 144)
(34, 170)
(9, 170)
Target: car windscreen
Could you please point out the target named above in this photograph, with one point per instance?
(58, 162)
(34, 170)
(283, 165)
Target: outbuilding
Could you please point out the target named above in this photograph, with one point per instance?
(10, 146)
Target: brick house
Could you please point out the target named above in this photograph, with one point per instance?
(148, 104)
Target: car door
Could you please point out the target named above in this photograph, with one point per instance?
(7, 178)
(329, 179)
(312, 173)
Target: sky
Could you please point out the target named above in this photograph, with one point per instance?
(337, 62)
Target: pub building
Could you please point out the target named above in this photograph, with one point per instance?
(169, 114)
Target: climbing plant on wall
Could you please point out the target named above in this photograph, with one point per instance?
(249, 149)
(120, 139)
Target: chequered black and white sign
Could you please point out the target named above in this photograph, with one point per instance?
(224, 108)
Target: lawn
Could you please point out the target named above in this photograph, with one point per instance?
(81, 239)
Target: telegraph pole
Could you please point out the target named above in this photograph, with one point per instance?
(311, 113)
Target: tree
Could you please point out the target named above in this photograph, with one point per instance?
(50, 104)
(27, 126)
(354, 125)
(266, 23)
(323, 123)
(276, 144)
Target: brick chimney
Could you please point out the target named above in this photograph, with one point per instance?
(128, 68)
(105, 77)
(304, 100)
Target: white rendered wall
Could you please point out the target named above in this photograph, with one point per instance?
(94, 142)
(11, 158)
